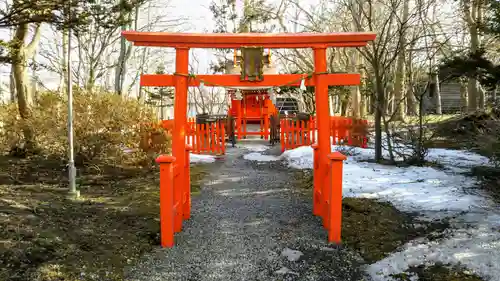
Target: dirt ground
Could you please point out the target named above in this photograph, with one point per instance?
(44, 235)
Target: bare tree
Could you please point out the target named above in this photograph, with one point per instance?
(20, 54)
(473, 15)
(206, 100)
(399, 87)
(101, 60)
(125, 50)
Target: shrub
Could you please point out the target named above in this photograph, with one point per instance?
(487, 142)
(107, 128)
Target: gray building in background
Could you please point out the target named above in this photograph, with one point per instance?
(450, 98)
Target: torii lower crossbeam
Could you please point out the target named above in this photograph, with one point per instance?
(271, 80)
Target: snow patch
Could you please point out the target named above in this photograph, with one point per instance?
(200, 158)
(291, 255)
(299, 158)
(477, 248)
(255, 156)
(255, 147)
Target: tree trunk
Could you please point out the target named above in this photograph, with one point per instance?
(472, 10)
(389, 100)
(331, 100)
(125, 53)
(355, 59)
(472, 95)
(355, 91)
(13, 93)
(22, 103)
(412, 105)
(379, 103)
(494, 95)
(344, 106)
(464, 95)
(437, 92)
(120, 66)
(89, 86)
(363, 98)
(482, 98)
(64, 77)
(399, 87)
(20, 56)
(338, 102)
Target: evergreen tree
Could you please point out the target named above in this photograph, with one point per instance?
(107, 12)
(160, 97)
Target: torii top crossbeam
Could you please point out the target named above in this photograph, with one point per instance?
(237, 40)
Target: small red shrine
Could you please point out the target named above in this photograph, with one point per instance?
(251, 105)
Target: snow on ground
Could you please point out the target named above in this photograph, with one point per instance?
(474, 240)
(255, 156)
(199, 158)
(255, 147)
(409, 189)
(456, 160)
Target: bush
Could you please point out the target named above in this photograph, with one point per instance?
(108, 128)
(478, 131)
(487, 142)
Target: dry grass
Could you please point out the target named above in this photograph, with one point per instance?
(46, 236)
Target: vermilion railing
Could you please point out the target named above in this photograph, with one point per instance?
(343, 130)
(209, 138)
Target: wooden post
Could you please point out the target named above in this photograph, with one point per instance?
(283, 133)
(317, 196)
(166, 200)
(186, 212)
(322, 115)
(239, 117)
(266, 126)
(222, 137)
(179, 135)
(334, 197)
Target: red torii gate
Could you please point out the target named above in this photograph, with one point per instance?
(175, 198)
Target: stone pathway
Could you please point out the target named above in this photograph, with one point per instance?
(249, 224)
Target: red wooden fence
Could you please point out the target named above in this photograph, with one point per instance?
(210, 138)
(344, 130)
(207, 138)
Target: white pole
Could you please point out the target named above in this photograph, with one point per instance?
(71, 161)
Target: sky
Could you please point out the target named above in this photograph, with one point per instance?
(199, 20)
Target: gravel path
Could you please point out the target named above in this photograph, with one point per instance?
(249, 224)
